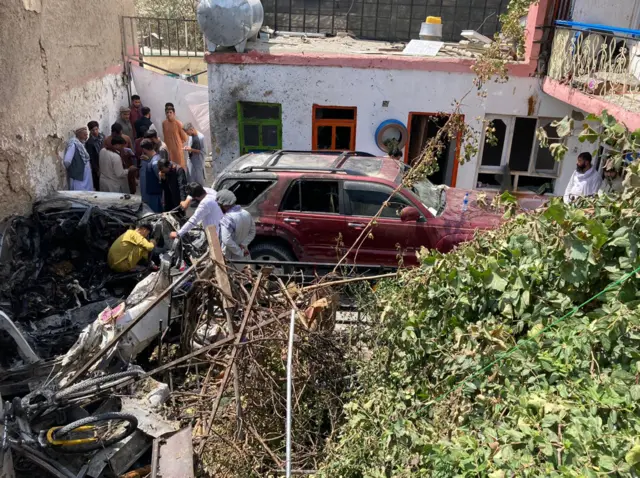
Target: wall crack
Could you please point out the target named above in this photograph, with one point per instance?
(45, 70)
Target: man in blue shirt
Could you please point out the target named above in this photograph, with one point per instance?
(150, 184)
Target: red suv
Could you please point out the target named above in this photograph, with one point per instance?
(312, 206)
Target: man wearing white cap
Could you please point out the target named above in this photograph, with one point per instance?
(125, 121)
(78, 162)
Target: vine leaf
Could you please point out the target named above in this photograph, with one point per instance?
(496, 282)
(579, 251)
(558, 151)
(588, 134)
(633, 456)
(555, 212)
(564, 127)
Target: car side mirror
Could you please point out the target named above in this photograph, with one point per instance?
(410, 214)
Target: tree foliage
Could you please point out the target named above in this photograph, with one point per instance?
(564, 403)
(600, 130)
(472, 374)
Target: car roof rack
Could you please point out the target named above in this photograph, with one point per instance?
(273, 159)
(349, 154)
(352, 172)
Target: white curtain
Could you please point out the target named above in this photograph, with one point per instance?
(190, 100)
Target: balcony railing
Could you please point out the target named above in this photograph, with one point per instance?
(162, 37)
(599, 61)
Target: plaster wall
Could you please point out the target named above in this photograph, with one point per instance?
(614, 13)
(61, 66)
(297, 88)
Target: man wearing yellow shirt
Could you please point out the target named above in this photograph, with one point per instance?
(130, 248)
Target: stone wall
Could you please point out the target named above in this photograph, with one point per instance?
(61, 66)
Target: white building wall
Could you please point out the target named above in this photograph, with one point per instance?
(615, 13)
(298, 88)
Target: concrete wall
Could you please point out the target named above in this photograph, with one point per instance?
(61, 66)
(297, 88)
(615, 13)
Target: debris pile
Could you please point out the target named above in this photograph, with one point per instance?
(234, 395)
(58, 257)
(192, 364)
(54, 279)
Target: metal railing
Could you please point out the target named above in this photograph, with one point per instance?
(148, 36)
(599, 61)
(389, 20)
(558, 10)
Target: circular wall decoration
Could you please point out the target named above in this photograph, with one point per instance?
(391, 129)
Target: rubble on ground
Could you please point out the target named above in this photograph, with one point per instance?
(54, 277)
(208, 392)
(248, 440)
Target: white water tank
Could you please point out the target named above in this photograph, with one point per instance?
(230, 22)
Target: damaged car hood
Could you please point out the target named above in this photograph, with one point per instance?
(97, 199)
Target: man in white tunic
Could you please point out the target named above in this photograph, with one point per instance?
(208, 211)
(113, 175)
(78, 162)
(197, 152)
(585, 180)
(237, 228)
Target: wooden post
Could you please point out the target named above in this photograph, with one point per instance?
(215, 253)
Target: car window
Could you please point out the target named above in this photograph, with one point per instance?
(367, 198)
(247, 191)
(313, 196)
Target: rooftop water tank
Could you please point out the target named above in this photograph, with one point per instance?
(230, 22)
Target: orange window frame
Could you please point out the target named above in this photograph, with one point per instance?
(315, 123)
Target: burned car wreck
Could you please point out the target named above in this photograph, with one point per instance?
(54, 277)
(107, 374)
(60, 303)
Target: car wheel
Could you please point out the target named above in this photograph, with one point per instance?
(272, 252)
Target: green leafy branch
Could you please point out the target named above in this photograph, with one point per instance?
(599, 130)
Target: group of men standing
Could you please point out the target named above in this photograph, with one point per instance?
(586, 180)
(134, 154)
(169, 173)
(235, 225)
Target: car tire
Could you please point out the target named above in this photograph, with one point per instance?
(271, 252)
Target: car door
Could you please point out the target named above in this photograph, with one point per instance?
(390, 238)
(312, 215)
